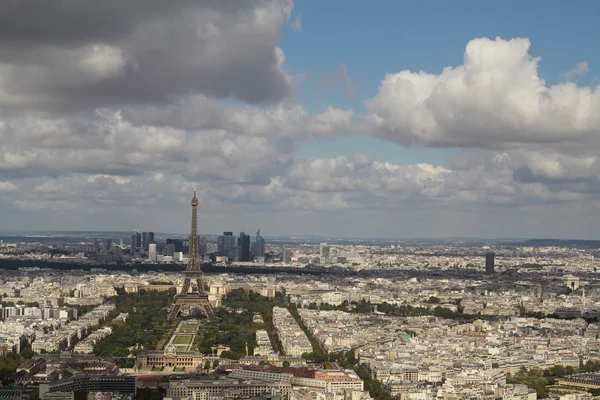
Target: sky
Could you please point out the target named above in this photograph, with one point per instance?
(388, 119)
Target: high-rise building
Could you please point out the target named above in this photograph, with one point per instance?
(147, 238)
(287, 256)
(178, 243)
(226, 246)
(244, 247)
(259, 246)
(108, 243)
(203, 245)
(489, 263)
(170, 249)
(138, 239)
(323, 251)
(152, 252)
(133, 243)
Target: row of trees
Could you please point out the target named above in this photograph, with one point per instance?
(345, 359)
(233, 323)
(20, 303)
(538, 379)
(233, 329)
(403, 310)
(318, 354)
(373, 386)
(10, 363)
(146, 325)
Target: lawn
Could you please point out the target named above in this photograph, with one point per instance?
(182, 339)
(189, 327)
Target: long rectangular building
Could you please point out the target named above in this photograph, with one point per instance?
(228, 388)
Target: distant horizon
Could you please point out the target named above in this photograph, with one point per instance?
(16, 232)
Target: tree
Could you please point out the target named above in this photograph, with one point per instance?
(143, 394)
(286, 364)
(27, 352)
(207, 364)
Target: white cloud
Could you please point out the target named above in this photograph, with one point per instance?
(581, 68)
(103, 61)
(341, 78)
(332, 120)
(7, 187)
(296, 24)
(496, 98)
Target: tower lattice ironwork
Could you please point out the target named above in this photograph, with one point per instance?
(197, 298)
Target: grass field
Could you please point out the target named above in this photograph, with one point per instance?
(189, 327)
(182, 340)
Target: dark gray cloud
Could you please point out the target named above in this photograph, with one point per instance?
(66, 54)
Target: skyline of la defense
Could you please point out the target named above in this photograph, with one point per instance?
(470, 128)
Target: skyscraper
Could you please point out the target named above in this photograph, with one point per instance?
(147, 238)
(177, 243)
(489, 263)
(170, 249)
(203, 246)
(133, 243)
(287, 256)
(259, 246)
(226, 246)
(323, 251)
(244, 247)
(138, 239)
(152, 252)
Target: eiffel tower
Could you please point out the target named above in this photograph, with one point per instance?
(197, 299)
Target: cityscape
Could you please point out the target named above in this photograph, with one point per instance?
(297, 320)
(299, 200)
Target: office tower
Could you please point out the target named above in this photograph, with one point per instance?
(323, 251)
(203, 246)
(221, 245)
(108, 243)
(138, 239)
(489, 263)
(178, 243)
(170, 249)
(120, 242)
(133, 243)
(259, 246)
(244, 247)
(226, 246)
(287, 256)
(152, 252)
(147, 238)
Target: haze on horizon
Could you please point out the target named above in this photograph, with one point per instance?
(404, 119)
